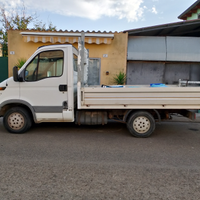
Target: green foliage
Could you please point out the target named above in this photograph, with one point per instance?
(4, 50)
(18, 21)
(20, 62)
(40, 26)
(51, 27)
(22, 22)
(10, 22)
(120, 78)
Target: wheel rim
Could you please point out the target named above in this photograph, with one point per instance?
(16, 121)
(141, 124)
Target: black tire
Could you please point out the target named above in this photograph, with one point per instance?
(141, 124)
(17, 120)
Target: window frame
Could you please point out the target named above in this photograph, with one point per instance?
(38, 55)
(74, 55)
(99, 59)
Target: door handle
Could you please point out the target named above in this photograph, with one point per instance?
(62, 88)
(65, 105)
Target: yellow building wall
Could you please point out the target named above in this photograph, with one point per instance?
(115, 61)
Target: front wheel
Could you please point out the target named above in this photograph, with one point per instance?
(141, 124)
(17, 120)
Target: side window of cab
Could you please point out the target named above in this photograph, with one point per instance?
(45, 65)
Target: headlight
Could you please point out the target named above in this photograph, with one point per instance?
(2, 88)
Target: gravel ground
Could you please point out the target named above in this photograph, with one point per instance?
(65, 161)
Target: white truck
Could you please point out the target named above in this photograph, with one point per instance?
(52, 87)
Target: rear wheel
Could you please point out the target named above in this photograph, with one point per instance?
(17, 120)
(141, 124)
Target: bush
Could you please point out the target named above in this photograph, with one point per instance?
(120, 78)
(20, 62)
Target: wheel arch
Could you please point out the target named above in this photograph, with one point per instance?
(6, 105)
(153, 112)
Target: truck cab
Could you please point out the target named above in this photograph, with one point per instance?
(44, 88)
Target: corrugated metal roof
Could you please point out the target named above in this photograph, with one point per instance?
(190, 28)
(65, 31)
(192, 9)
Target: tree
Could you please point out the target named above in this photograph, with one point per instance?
(40, 26)
(20, 22)
(12, 21)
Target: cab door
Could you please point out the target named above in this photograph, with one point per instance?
(45, 85)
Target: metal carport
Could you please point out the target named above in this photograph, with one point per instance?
(164, 53)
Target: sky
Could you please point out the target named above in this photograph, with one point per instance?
(101, 15)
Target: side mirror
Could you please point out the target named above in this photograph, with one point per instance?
(15, 74)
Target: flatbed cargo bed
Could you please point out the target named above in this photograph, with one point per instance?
(139, 97)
